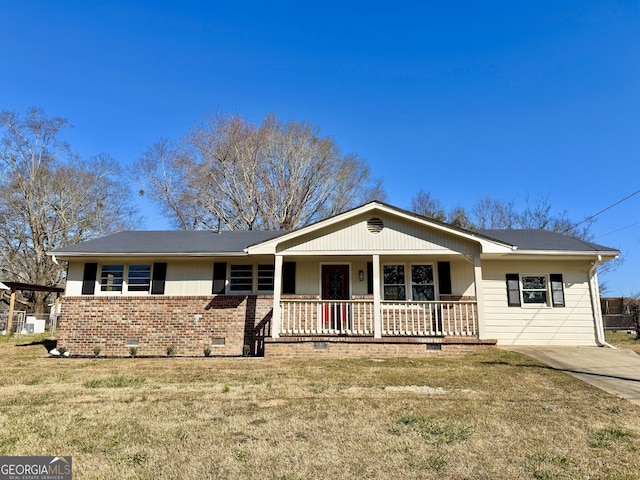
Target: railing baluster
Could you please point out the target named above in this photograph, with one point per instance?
(355, 317)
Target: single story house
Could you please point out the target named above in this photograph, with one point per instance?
(373, 281)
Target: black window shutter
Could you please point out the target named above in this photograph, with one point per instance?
(444, 278)
(289, 277)
(89, 278)
(513, 289)
(159, 276)
(370, 278)
(219, 277)
(557, 290)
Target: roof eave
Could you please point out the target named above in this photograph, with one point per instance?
(65, 255)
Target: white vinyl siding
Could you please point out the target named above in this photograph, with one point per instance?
(398, 235)
(538, 324)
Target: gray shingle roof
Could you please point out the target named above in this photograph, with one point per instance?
(234, 242)
(170, 242)
(532, 239)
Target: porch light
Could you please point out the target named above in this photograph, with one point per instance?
(361, 275)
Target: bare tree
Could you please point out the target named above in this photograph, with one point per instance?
(268, 176)
(490, 212)
(50, 198)
(423, 203)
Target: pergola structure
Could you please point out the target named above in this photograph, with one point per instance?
(15, 286)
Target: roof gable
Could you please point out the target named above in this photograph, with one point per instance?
(347, 232)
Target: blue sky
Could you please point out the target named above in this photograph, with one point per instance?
(463, 99)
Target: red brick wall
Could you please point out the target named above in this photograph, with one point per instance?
(161, 321)
(363, 348)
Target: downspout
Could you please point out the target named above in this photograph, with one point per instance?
(595, 304)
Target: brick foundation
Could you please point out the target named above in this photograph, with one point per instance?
(356, 347)
(230, 325)
(188, 323)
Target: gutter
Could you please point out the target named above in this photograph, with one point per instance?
(597, 311)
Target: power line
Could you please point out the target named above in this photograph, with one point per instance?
(601, 211)
(617, 230)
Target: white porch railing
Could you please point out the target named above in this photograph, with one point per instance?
(317, 317)
(429, 318)
(356, 317)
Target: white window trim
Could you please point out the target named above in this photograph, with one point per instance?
(125, 281)
(546, 304)
(408, 281)
(254, 280)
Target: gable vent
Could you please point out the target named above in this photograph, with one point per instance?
(375, 225)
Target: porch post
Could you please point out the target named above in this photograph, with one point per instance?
(277, 290)
(12, 303)
(377, 311)
(477, 280)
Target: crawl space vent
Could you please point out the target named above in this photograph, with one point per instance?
(375, 225)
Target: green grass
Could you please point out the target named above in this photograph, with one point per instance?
(117, 381)
(610, 436)
(435, 430)
(623, 339)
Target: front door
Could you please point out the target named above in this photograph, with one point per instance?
(335, 287)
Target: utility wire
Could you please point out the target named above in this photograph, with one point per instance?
(615, 231)
(601, 211)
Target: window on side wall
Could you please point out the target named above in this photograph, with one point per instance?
(139, 278)
(535, 290)
(111, 277)
(241, 278)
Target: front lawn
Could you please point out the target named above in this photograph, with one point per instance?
(491, 415)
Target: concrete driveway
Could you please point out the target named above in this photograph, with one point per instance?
(616, 371)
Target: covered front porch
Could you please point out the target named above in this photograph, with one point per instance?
(381, 298)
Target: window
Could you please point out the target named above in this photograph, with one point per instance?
(241, 278)
(422, 286)
(111, 278)
(393, 282)
(534, 289)
(139, 278)
(266, 275)
(527, 289)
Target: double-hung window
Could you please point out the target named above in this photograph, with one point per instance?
(266, 275)
(419, 284)
(241, 278)
(535, 290)
(393, 282)
(132, 278)
(139, 278)
(111, 278)
(422, 285)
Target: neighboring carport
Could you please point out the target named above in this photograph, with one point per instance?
(616, 371)
(17, 286)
